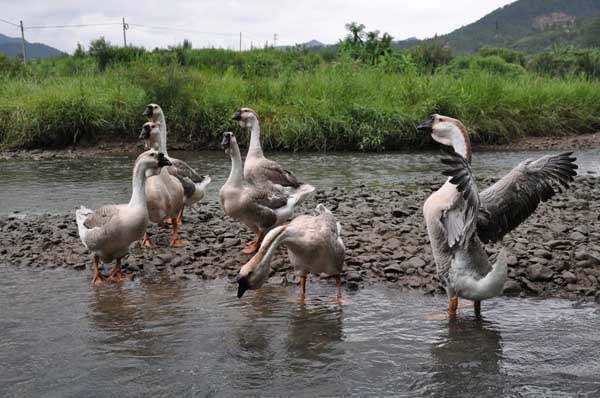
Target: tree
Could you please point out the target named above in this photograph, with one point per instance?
(357, 32)
(100, 50)
(79, 51)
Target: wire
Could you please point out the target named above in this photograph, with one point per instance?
(183, 29)
(10, 23)
(72, 26)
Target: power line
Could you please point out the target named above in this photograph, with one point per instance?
(182, 29)
(10, 23)
(72, 26)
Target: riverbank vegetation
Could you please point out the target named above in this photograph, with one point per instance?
(359, 95)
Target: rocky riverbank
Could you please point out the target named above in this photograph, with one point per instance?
(133, 147)
(556, 253)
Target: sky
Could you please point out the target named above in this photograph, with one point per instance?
(208, 23)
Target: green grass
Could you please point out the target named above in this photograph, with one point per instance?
(312, 105)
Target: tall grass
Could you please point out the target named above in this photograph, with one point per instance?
(313, 105)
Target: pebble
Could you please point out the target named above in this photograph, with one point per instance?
(555, 253)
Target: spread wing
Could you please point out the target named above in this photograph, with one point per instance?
(511, 200)
(101, 216)
(459, 219)
(273, 172)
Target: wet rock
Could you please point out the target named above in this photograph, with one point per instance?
(354, 277)
(539, 273)
(577, 236)
(394, 268)
(416, 262)
(568, 277)
(511, 288)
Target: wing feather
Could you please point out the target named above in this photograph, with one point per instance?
(512, 199)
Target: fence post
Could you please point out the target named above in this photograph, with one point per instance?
(240, 41)
(23, 43)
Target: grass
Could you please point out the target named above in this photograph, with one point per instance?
(313, 105)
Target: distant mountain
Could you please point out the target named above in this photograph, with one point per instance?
(11, 46)
(313, 43)
(524, 24)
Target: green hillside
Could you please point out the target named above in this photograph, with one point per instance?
(11, 46)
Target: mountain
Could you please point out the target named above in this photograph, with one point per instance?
(11, 46)
(313, 43)
(528, 25)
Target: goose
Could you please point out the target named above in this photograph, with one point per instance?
(194, 184)
(314, 245)
(258, 168)
(109, 230)
(165, 198)
(259, 207)
(460, 219)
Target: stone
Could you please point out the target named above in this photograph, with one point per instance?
(354, 276)
(577, 236)
(511, 288)
(539, 273)
(394, 268)
(569, 277)
(416, 262)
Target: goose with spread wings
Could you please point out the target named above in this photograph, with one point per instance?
(460, 219)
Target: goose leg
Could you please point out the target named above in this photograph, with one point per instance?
(452, 306)
(97, 279)
(175, 241)
(117, 275)
(180, 215)
(253, 246)
(302, 289)
(338, 285)
(147, 242)
(477, 307)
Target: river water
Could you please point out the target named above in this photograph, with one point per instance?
(160, 336)
(31, 186)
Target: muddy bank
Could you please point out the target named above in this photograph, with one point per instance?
(556, 253)
(133, 147)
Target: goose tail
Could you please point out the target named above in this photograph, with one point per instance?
(81, 215)
(490, 285)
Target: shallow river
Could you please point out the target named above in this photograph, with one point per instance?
(167, 337)
(63, 185)
(61, 338)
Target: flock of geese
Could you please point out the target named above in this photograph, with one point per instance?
(262, 195)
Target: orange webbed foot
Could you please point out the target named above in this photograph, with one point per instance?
(179, 243)
(251, 247)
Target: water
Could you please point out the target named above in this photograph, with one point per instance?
(30, 186)
(168, 337)
(163, 337)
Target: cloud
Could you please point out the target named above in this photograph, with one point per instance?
(156, 23)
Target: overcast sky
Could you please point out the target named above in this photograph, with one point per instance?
(294, 21)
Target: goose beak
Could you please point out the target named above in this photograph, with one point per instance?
(237, 115)
(147, 112)
(226, 141)
(163, 161)
(242, 286)
(426, 126)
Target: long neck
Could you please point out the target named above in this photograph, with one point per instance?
(163, 133)
(236, 175)
(461, 143)
(138, 193)
(274, 238)
(255, 148)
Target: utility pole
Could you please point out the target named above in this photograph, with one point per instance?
(274, 40)
(23, 43)
(125, 27)
(240, 41)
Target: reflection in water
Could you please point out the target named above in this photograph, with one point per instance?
(167, 337)
(135, 316)
(467, 359)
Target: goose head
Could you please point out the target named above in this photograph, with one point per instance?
(228, 142)
(153, 112)
(151, 161)
(256, 271)
(448, 131)
(246, 117)
(151, 135)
